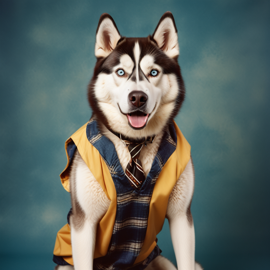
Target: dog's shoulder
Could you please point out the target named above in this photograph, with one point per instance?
(85, 189)
(182, 193)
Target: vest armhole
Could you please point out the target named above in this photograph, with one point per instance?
(64, 176)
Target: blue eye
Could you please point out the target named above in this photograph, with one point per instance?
(120, 72)
(153, 72)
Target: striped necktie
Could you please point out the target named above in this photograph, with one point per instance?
(134, 171)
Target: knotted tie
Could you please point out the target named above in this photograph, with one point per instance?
(134, 171)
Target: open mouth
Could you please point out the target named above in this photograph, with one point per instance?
(137, 119)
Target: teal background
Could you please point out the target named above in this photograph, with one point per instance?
(46, 62)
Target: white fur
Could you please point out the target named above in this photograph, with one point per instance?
(137, 53)
(126, 63)
(147, 64)
(182, 193)
(198, 266)
(89, 193)
(83, 244)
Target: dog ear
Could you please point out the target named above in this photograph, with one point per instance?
(166, 36)
(107, 36)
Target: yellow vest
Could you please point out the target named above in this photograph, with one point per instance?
(168, 177)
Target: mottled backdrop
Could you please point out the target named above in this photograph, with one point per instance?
(46, 62)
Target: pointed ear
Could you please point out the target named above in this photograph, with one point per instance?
(107, 36)
(166, 35)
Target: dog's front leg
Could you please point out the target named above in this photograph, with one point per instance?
(183, 239)
(180, 220)
(89, 204)
(83, 243)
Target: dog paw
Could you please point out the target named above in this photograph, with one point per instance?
(64, 267)
(198, 266)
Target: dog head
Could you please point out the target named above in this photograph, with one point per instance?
(137, 87)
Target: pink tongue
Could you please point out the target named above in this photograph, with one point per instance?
(137, 121)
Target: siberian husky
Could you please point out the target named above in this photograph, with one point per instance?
(136, 91)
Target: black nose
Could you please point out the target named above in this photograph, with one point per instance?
(137, 98)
